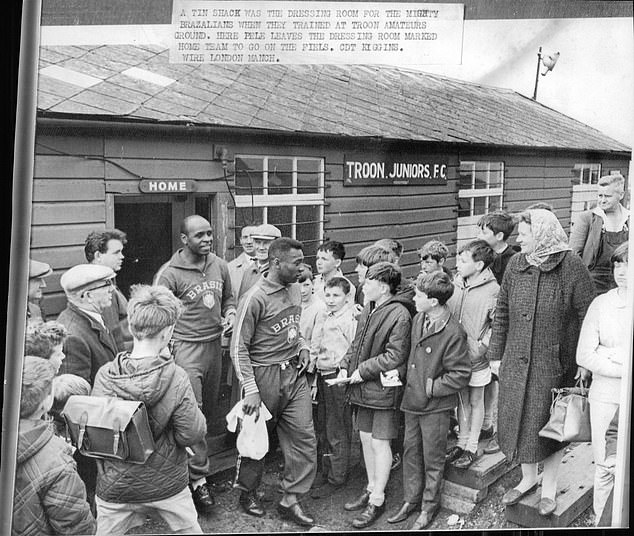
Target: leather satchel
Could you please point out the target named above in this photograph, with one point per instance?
(109, 428)
(569, 415)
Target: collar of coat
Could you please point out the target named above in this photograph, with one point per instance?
(436, 325)
(548, 265)
(270, 287)
(482, 278)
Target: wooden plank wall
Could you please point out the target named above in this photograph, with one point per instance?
(69, 189)
(358, 216)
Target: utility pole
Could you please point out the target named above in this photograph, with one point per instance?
(539, 60)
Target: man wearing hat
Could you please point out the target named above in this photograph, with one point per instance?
(37, 272)
(262, 237)
(89, 344)
(242, 262)
(201, 281)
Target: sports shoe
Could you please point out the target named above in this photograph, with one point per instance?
(465, 460)
(453, 454)
(492, 447)
(203, 500)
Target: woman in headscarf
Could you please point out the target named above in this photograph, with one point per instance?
(543, 299)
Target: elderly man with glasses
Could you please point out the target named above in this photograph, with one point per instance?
(89, 344)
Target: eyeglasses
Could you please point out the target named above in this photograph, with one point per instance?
(108, 284)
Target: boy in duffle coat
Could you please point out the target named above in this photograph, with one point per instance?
(437, 369)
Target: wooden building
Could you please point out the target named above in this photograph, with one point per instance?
(352, 153)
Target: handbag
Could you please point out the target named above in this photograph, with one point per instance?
(569, 415)
(109, 428)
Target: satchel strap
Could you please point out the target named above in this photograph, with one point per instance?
(83, 420)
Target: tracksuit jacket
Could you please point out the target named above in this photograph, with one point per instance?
(266, 331)
(206, 295)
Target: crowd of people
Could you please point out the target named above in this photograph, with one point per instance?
(406, 363)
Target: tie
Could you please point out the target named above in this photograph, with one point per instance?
(426, 324)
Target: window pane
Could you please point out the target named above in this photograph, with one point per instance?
(595, 171)
(495, 203)
(497, 175)
(280, 176)
(466, 176)
(308, 176)
(479, 206)
(246, 216)
(282, 218)
(585, 175)
(481, 175)
(307, 231)
(576, 174)
(249, 176)
(464, 207)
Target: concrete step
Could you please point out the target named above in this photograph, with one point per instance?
(460, 499)
(574, 493)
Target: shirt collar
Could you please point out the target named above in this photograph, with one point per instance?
(625, 214)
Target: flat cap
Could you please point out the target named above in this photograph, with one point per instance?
(38, 269)
(85, 277)
(266, 231)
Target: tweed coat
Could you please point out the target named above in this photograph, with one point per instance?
(89, 344)
(538, 317)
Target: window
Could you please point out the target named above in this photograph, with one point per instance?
(480, 188)
(287, 192)
(586, 174)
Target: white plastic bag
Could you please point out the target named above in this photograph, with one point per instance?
(253, 438)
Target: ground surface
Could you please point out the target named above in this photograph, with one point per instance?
(328, 512)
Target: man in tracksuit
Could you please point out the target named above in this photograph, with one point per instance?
(201, 280)
(270, 356)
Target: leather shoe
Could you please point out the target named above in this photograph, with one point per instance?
(360, 502)
(203, 500)
(513, 496)
(424, 519)
(404, 512)
(295, 513)
(546, 507)
(371, 513)
(251, 503)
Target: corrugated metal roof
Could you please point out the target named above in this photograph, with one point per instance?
(360, 100)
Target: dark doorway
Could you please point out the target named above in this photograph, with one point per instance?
(148, 226)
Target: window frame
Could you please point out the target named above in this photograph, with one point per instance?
(293, 199)
(473, 192)
(579, 168)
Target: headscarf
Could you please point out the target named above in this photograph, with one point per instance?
(549, 236)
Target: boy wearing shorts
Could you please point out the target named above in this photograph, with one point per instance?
(381, 345)
(473, 306)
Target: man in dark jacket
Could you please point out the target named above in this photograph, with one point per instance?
(50, 498)
(380, 346)
(89, 344)
(202, 281)
(148, 374)
(438, 368)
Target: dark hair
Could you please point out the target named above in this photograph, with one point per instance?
(435, 285)
(391, 244)
(370, 255)
(386, 272)
(620, 254)
(434, 249)
(480, 251)
(498, 221)
(336, 248)
(281, 246)
(340, 282)
(37, 383)
(307, 273)
(98, 241)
